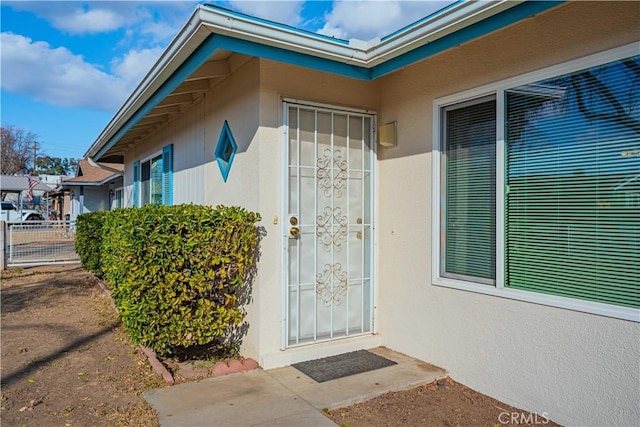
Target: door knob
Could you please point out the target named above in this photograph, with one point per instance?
(294, 231)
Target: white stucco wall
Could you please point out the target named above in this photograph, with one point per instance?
(578, 368)
(94, 199)
(250, 101)
(194, 134)
(279, 81)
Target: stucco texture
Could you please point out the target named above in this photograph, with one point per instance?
(579, 368)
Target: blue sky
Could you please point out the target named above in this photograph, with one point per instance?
(66, 66)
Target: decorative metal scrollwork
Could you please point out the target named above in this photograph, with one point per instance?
(332, 161)
(331, 284)
(329, 235)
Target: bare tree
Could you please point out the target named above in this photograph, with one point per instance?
(17, 150)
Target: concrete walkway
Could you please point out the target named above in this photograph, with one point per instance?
(281, 397)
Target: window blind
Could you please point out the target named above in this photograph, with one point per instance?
(167, 175)
(136, 183)
(470, 192)
(573, 185)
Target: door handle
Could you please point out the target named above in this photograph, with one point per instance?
(294, 231)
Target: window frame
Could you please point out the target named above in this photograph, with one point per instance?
(498, 89)
(443, 184)
(117, 198)
(166, 155)
(149, 159)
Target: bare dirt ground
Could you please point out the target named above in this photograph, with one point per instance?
(441, 403)
(67, 362)
(65, 359)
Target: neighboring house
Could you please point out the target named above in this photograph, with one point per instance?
(96, 187)
(469, 236)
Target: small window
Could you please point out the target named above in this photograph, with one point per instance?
(225, 150)
(153, 179)
(119, 199)
(469, 188)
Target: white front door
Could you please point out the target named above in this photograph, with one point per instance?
(328, 226)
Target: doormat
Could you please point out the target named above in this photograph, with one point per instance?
(342, 365)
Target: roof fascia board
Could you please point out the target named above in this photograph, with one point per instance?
(231, 14)
(476, 30)
(193, 62)
(454, 18)
(90, 183)
(180, 48)
(235, 32)
(296, 58)
(222, 21)
(202, 54)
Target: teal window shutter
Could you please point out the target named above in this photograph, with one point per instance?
(136, 183)
(468, 250)
(167, 175)
(573, 173)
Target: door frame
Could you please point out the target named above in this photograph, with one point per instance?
(284, 225)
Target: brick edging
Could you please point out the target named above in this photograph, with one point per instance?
(157, 365)
(229, 366)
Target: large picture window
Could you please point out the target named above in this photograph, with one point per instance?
(541, 187)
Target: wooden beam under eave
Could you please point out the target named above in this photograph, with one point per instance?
(184, 98)
(164, 110)
(193, 86)
(150, 120)
(210, 69)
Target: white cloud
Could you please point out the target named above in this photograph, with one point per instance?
(161, 31)
(158, 19)
(285, 12)
(59, 77)
(367, 19)
(134, 65)
(88, 21)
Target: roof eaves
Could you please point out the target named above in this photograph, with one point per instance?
(266, 22)
(72, 183)
(180, 48)
(211, 28)
(267, 33)
(475, 28)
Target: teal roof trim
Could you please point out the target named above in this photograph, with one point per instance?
(276, 24)
(508, 17)
(421, 20)
(295, 58)
(219, 41)
(197, 58)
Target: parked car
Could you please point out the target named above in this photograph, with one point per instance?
(10, 212)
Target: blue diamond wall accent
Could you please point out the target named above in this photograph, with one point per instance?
(225, 150)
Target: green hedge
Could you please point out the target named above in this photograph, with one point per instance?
(177, 274)
(89, 240)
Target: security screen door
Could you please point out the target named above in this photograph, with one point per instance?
(328, 231)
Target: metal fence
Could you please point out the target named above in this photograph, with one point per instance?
(39, 242)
